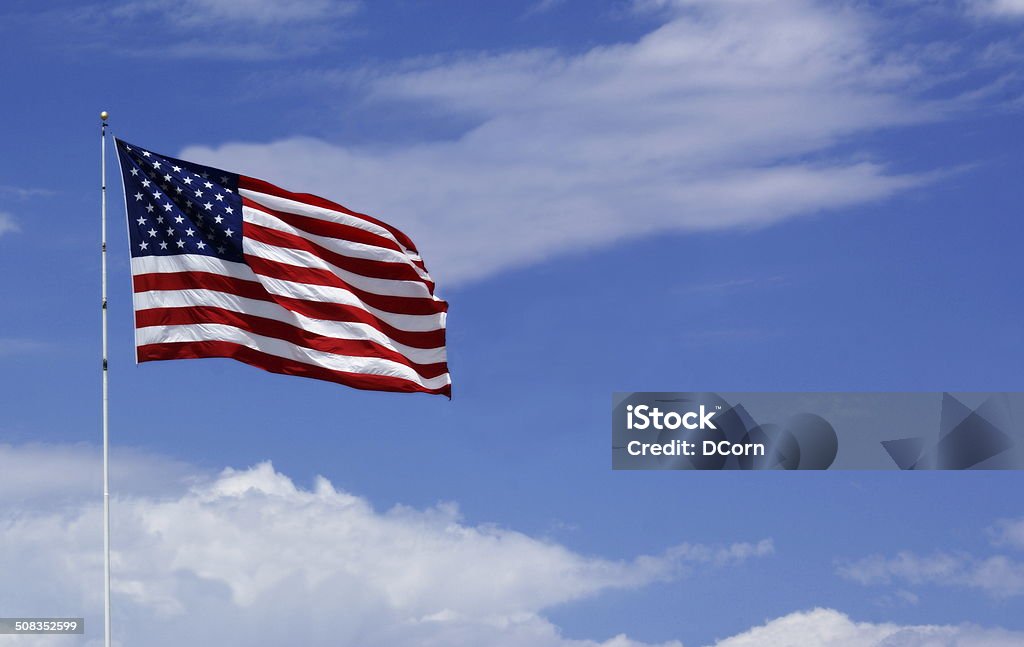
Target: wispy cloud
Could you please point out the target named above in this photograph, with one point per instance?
(542, 7)
(1000, 576)
(727, 115)
(7, 224)
(13, 346)
(253, 30)
(219, 13)
(1008, 532)
(24, 193)
(997, 8)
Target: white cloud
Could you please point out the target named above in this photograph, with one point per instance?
(7, 224)
(60, 474)
(248, 557)
(1008, 532)
(15, 346)
(997, 8)
(726, 116)
(253, 30)
(998, 575)
(829, 628)
(202, 13)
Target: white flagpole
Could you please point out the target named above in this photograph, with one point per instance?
(106, 478)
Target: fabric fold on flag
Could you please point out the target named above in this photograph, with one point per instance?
(229, 266)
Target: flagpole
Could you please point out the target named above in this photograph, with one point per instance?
(106, 476)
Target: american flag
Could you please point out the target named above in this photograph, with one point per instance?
(225, 265)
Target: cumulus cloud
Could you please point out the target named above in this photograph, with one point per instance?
(829, 628)
(727, 115)
(248, 557)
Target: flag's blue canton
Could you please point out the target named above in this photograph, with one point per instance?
(177, 207)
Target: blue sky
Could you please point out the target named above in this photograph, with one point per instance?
(619, 196)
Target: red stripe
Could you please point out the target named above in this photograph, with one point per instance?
(397, 270)
(261, 186)
(326, 228)
(285, 332)
(315, 276)
(274, 364)
(314, 309)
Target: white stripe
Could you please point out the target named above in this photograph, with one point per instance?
(384, 287)
(270, 310)
(191, 263)
(285, 350)
(290, 289)
(337, 245)
(330, 215)
(325, 294)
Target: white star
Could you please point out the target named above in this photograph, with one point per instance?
(208, 206)
(176, 169)
(167, 178)
(135, 172)
(177, 189)
(156, 164)
(219, 197)
(208, 185)
(190, 231)
(218, 220)
(143, 245)
(199, 193)
(201, 245)
(228, 232)
(156, 195)
(187, 180)
(180, 243)
(159, 220)
(152, 233)
(145, 153)
(145, 183)
(228, 190)
(149, 208)
(170, 231)
(141, 221)
(168, 207)
(163, 244)
(229, 210)
(138, 196)
(179, 219)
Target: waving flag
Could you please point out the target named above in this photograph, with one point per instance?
(225, 265)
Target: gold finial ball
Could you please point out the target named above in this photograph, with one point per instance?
(104, 115)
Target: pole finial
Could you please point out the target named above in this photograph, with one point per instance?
(104, 115)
